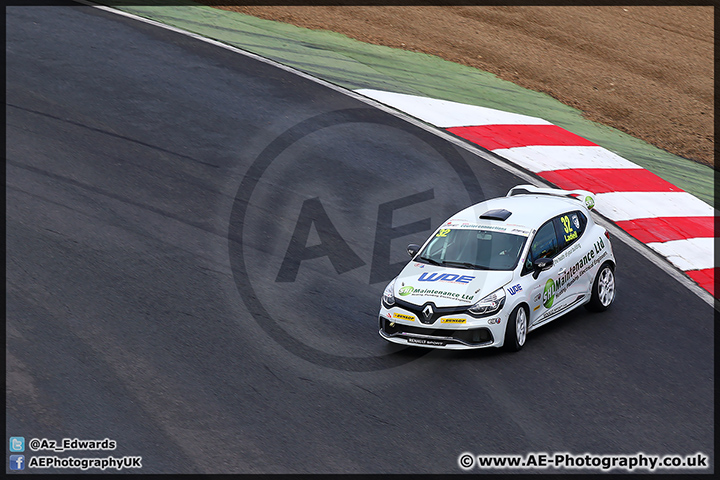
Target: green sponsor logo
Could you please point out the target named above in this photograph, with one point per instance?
(589, 202)
(549, 293)
(406, 290)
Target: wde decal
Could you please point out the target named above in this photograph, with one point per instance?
(514, 289)
(445, 277)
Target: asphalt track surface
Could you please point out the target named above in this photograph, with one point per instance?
(196, 247)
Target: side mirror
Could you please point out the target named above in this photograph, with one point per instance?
(413, 249)
(541, 264)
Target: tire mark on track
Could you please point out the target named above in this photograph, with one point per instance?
(111, 134)
(114, 196)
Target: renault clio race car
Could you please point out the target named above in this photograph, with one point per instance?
(500, 269)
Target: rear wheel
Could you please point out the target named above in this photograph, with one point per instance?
(603, 290)
(516, 329)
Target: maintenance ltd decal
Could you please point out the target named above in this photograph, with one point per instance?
(429, 292)
(555, 288)
(572, 274)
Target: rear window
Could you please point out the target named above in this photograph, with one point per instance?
(570, 227)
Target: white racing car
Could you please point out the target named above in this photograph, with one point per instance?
(500, 269)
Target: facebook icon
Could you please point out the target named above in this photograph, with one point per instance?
(17, 462)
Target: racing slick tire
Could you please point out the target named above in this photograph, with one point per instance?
(603, 289)
(516, 329)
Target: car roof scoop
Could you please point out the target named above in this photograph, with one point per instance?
(497, 214)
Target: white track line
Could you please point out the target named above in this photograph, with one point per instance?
(541, 158)
(689, 254)
(619, 206)
(444, 113)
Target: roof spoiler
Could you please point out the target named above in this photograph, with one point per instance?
(580, 195)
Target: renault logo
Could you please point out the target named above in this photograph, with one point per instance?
(428, 311)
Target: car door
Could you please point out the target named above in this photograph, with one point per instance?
(542, 292)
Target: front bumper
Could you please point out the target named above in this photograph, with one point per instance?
(403, 327)
(435, 338)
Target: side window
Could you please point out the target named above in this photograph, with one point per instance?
(544, 244)
(570, 226)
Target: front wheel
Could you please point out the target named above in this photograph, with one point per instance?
(603, 290)
(516, 329)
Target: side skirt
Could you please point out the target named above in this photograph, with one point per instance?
(580, 300)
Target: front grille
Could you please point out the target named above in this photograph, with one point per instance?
(472, 336)
(437, 311)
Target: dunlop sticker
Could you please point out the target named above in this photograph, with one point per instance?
(403, 316)
(453, 320)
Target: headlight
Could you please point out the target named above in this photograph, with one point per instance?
(388, 297)
(489, 305)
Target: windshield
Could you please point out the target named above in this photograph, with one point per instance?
(476, 249)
